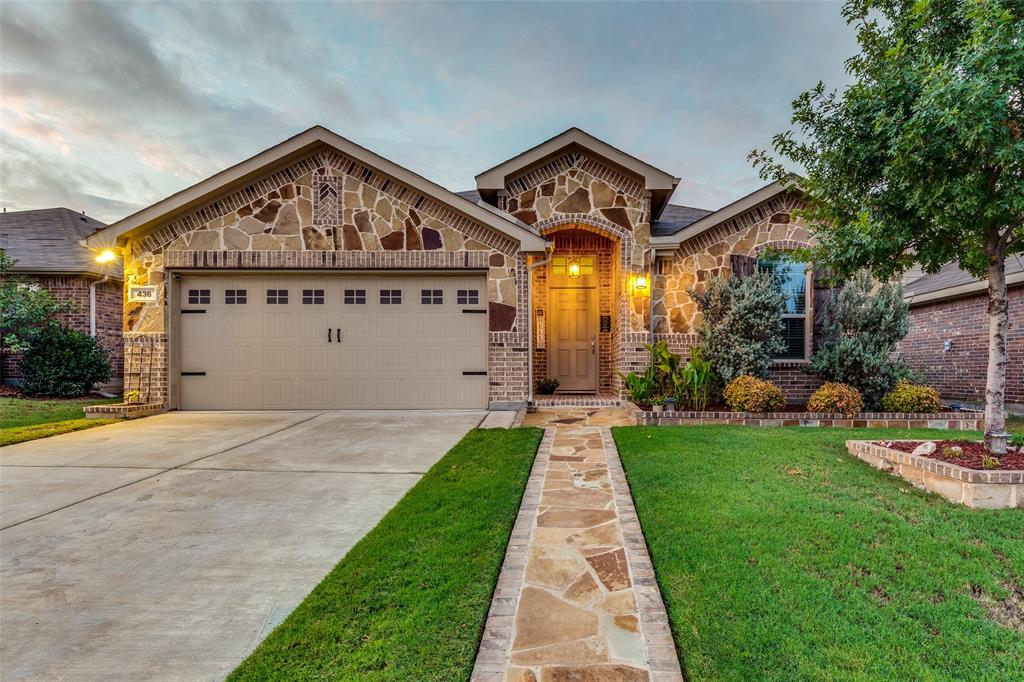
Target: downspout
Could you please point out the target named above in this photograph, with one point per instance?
(549, 248)
(92, 303)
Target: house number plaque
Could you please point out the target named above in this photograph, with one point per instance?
(141, 294)
(606, 323)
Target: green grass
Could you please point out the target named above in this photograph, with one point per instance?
(409, 601)
(23, 419)
(780, 556)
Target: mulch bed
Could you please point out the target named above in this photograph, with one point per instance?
(971, 458)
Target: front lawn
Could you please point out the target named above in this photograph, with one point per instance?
(409, 601)
(23, 419)
(780, 556)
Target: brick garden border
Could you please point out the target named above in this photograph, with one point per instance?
(967, 421)
(993, 489)
(123, 410)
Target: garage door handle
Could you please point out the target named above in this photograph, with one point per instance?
(337, 333)
(328, 335)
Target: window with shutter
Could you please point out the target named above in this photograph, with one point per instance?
(794, 280)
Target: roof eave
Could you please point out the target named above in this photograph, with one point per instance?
(968, 289)
(293, 148)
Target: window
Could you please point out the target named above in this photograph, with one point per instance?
(277, 296)
(355, 296)
(235, 296)
(574, 266)
(198, 296)
(468, 296)
(431, 296)
(313, 296)
(390, 296)
(793, 279)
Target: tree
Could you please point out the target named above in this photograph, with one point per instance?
(741, 329)
(25, 308)
(862, 326)
(921, 159)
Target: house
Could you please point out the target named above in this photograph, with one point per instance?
(47, 248)
(318, 274)
(948, 339)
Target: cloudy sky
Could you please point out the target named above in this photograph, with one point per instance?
(108, 107)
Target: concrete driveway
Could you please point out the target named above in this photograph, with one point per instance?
(167, 548)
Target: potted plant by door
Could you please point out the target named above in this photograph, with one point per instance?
(547, 386)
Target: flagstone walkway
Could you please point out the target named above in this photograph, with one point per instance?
(576, 599)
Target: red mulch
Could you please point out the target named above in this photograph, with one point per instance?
(971, 459)
(9, 392)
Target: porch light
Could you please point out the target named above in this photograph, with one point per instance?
(106, 256)
(574, 268)
(641, 283)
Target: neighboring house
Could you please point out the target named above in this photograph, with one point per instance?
(318, 274)
(47, 248)
(948, 339)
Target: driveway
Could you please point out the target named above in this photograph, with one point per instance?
(167, 548)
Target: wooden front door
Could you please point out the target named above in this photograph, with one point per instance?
(573, 354)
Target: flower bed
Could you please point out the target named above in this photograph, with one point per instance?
(971, 455)
(969, 421)
(976, 488)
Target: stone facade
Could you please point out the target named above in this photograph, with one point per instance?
(74, 289)
(329, 211)
(959, 373)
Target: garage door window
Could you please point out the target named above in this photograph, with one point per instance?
(277, 296)
(468, 296)
(390, 296)
(198, 296)
(355, 296)
(235, 296)
(431, 296)
(313, 296)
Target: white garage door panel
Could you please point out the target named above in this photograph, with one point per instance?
(262, 355)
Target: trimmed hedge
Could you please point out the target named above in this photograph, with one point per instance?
(63, 363)
(750, 394)
(907, 397)
(837, 398)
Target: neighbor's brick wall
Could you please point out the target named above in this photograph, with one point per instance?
(960, 373)
(75, 290)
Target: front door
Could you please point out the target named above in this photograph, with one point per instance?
(573, 354)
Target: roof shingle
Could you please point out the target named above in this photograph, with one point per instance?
(47, 240)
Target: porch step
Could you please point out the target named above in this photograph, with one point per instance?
(576, 400)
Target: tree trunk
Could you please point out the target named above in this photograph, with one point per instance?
(998, 327)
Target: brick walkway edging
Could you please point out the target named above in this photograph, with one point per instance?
(496, 642)
(658, 642)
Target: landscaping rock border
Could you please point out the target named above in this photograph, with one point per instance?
(968, 421)
(996, 489)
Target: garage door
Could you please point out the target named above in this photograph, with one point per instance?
(332, 342)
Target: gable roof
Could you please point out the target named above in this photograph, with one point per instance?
(49, 240)
(294, 148)
(715, 218)
(950, 281)
(675, 218)
(658, 182)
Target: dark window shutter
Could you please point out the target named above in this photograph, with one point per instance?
(742, 266)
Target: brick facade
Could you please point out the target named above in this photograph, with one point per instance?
(74, 289)
(959, 373)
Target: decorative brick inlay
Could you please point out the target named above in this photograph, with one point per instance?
(964, 421)
(332, 260)
(577, 598)
(977, 489)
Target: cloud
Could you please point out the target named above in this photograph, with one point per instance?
(134, 101)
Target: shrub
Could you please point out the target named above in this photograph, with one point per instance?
(547, 386)
(860, 330)
(750, 394)
(63, 363)
(907, 397)
(838, 398)
(741, 330)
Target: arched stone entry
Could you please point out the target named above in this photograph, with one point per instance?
(555, 294)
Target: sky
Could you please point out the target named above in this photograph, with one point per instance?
(109, 107)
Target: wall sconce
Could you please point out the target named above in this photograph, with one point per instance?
(574, 268)
(641, 285)
(106, 256)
